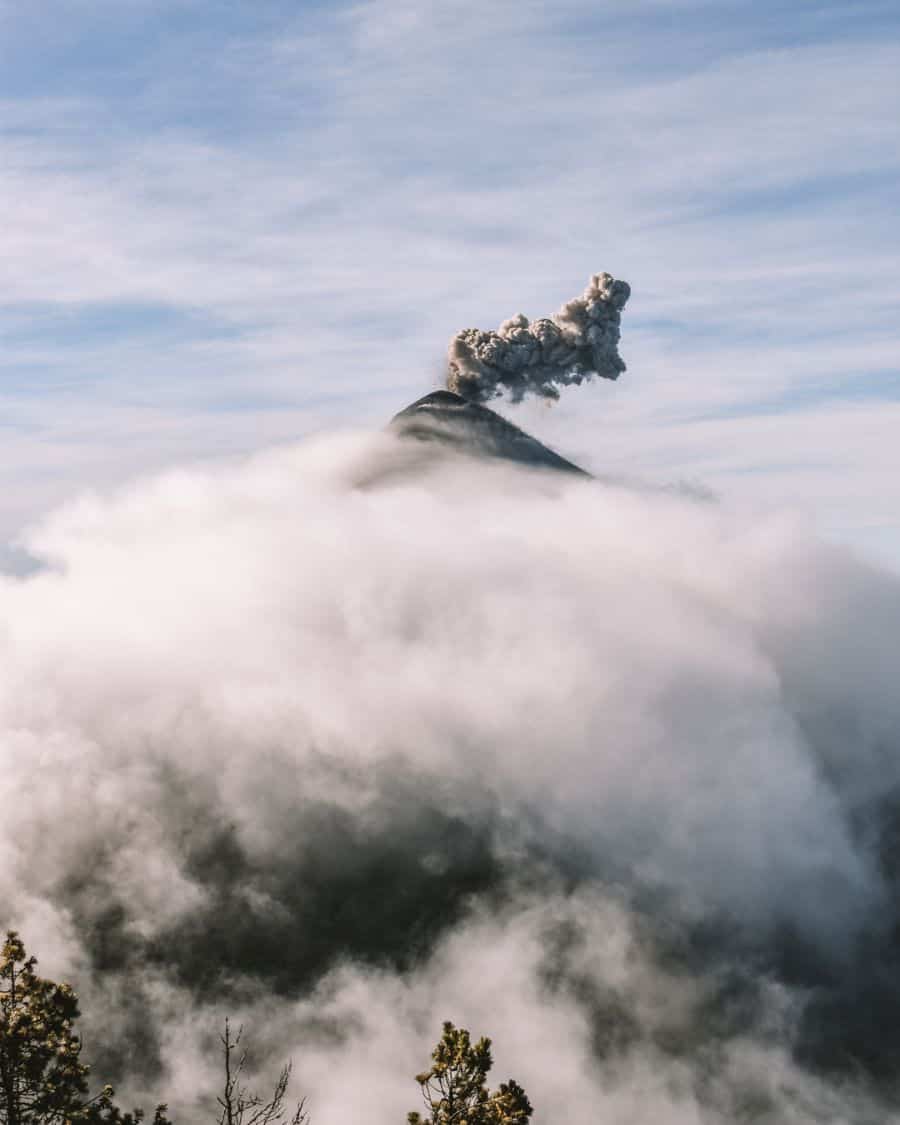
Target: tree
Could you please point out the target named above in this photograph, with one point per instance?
(241, 1107)
(42, 1078)
(103, 1111)
(41, 1075)
(454, 1089)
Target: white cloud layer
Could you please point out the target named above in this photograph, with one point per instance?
(349, 741)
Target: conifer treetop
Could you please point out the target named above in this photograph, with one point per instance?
(454, 1089)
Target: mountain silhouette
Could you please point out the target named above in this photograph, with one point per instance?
(468, 427)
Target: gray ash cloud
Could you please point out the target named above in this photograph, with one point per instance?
(539, 357)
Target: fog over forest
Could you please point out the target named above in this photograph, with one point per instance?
(349, 739)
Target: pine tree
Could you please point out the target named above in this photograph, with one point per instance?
(42, 1078)
(103, 1111)
(454, 1089)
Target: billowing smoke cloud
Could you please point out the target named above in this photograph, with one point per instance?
(540, 356)
(349, 740)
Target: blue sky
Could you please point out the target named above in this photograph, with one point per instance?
(227, 225)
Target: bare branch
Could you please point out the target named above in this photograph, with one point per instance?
(241, 1106)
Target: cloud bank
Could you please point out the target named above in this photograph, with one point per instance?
(538, 358)
(350, 739)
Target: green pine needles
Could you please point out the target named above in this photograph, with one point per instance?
(454, 1089)
(42, 1078)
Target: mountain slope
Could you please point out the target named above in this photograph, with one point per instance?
(468, 427)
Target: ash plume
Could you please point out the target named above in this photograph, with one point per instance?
(609, 775)
(538, 357)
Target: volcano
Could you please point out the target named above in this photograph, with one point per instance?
(467, 427)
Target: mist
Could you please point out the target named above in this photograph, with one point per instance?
(351, 738)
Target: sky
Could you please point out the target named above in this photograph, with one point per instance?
(230, 226)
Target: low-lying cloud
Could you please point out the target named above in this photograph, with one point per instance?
(349, 740)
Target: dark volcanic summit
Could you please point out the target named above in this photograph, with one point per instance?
(470, 428)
